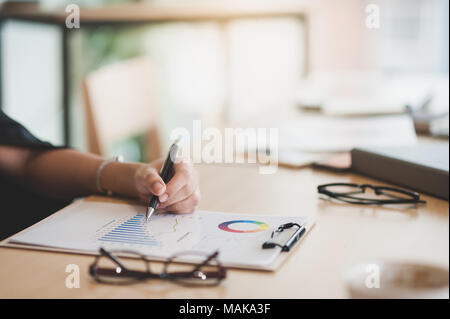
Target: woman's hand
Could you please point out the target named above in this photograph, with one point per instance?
(180, 195)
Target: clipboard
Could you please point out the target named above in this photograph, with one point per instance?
(239, 232)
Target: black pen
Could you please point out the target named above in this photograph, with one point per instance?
(165, 175)
(295, 238)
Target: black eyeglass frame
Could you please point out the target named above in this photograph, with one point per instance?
(134, 276)
(379, 190)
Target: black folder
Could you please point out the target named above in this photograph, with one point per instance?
(422, 167)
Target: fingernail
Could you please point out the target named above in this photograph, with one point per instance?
(157, 187)
(163, 197)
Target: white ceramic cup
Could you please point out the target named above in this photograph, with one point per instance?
(397, 280)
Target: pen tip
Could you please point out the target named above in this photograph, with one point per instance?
(149, 213)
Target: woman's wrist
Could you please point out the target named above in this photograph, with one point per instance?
(118, 178)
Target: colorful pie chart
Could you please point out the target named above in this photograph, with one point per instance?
(230, 226)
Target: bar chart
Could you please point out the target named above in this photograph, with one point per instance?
(132, 231)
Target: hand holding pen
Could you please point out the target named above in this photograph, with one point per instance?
(180, 194)
(166, 175)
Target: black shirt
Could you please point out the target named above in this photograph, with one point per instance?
(20, 207)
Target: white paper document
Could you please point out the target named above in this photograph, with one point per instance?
(323, 134)
(86, 226)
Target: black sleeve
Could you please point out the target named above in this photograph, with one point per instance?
(14, 134)
(20, 213)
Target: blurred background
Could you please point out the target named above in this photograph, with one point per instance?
(323, 71)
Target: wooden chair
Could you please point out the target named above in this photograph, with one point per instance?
(121, 102)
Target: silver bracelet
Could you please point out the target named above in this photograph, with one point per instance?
(100, 169)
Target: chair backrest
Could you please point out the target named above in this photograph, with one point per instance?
(120, 102)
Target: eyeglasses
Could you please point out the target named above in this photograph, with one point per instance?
(384, 195)
(109, 269)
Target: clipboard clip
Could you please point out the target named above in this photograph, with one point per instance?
(291, 241)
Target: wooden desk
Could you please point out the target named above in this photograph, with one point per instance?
(343, 235)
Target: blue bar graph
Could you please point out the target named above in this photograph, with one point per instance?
(131, 231)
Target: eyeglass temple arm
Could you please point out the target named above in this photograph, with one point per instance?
(113, 258)
(213, 255)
